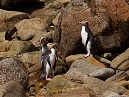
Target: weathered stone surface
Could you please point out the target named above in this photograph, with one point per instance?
(111, 94)
(2, 36)
(60, 86)
(11, 48)
(80, 68)
(99, 87)
(56, 19)
(70, 59)
(39, 35)
(121, 62)
(103, 73)
(100, 15)
(46, 14)
(60, 82)
(119, 77)
(32, 58)
(12, 89)
(9, 18)
(27, 29)
(13, 70)
(124, 83)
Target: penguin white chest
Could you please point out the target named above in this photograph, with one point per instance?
(84, 35)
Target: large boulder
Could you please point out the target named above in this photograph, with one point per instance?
(12, 48)
(27, 29)
(12, 89)
(13, 70)
(107, 27)
(63, 87)
(70, 59)
(9, 18)
(31, 60)
(99, 87)
(46, 14)
(121, 62)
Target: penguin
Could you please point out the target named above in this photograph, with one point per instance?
(87, 38)
(47, 59)
(51, 63)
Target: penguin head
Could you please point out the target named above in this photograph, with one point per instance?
(50, 46)
(43, 41)
(84, 23)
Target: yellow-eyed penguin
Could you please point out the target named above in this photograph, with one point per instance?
(87, 38)
(47, 59)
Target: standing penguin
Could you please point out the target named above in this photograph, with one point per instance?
(47, 59)
(87, 38)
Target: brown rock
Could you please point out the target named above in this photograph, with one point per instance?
(60, 86)
(12, 89)
(32, 58)
(12, 48)
(80, 69)
(70, 59)
(2, 36)
(38, 36)
(13, 70)
(27, 29)
(99, 87)
(102, 22)
(121, 62)
(116, 37)
(119, 77)
(9, 18)
(46, 14)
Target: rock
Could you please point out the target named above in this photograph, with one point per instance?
(121, 62)
(62, 87)
(111, 94)
(12, 89)
(124, 83)
(27, 29)
(55, 20)
(81, 68)
(99, 87)
(118, 77)
(9, 18)
(12, 48)
(46, 14)
(103, 60)
(107, 55)
(100, 16)
(38, 36)
(119, 14)
(60, 67)
(126, 93)
(58, 83)
(102, 73)
(13, 70)
(69, 28)
(69, 92)
(70, 59)
(2, 36)
(32, 58)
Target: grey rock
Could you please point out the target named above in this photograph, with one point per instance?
(12, 89)
(13, 70)
(103, 73)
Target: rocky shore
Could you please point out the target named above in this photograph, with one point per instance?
(21, 28)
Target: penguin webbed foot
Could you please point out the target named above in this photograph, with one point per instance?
(48, 79)
(86, 55)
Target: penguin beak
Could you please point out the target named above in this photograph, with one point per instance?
(83, 22)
